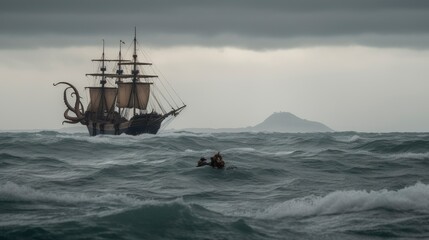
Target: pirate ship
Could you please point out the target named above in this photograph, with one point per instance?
(129, 100)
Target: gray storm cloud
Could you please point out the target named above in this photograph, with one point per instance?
(239, 23)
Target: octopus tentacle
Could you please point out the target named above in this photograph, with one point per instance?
(68, 105)
(71, 118)
(77, 109)
(71, 122)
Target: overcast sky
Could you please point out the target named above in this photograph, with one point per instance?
(353, 65)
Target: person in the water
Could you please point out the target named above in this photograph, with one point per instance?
(215, 162)
(202, 162)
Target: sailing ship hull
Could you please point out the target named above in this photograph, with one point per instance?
(139, 124)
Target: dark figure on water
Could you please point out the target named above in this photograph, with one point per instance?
(202, 162)
(216, 161)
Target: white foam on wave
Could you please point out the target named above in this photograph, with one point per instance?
(252, 150)
(354, 138)
(409, 198)
(14, 192)
(248, 149)
(200, 151)
(282, 153)
(411, 155)
(126, 140)
(178, 134)
(240, 150)
(104, 139)
(348, 139)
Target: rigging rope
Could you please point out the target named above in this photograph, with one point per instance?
(160, 106)
(156, 70)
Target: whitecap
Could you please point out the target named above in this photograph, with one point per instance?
(181, 134)
(240, 150)
(409, 155)
(348, 139)
(103, 139)
(12, 191)
(409, 198)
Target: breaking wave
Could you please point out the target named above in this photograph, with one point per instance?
(11, 191)
(409, 198)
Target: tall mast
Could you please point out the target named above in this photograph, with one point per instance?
(120, 71)
(135, 72)
(102, 82)
(103, 69)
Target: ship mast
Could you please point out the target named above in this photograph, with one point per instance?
(103, 103)
(119, 72)
(103, 93)
(135, 72)
(103, 69)
(103, 82)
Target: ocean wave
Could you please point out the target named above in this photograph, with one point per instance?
(391, 146)
(176, 220)
(174, 205)
(354, 138)
(256, 151)
(178, 134)
(20, 159)
(239, 150)
(331, 152)
(409, 198)
(283, 153)
(11, 191)
(348, 139)
(99, 139)
(419, 156)
(7, 156)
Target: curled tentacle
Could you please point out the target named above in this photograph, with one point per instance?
(68, 105)
(71, 118)
(65, 121)
(77, 109)
(82, 110)
(75, 92)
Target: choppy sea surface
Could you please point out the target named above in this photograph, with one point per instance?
(344, 185)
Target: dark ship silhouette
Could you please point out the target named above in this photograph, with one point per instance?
(131, 105)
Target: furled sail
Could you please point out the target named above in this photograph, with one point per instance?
(129, 97)
(95, 94)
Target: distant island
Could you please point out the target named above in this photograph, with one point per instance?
(276, 122)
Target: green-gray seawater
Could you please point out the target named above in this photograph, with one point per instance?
(276, 186)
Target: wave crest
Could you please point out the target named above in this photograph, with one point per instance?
(409, 198)
(12, 191)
